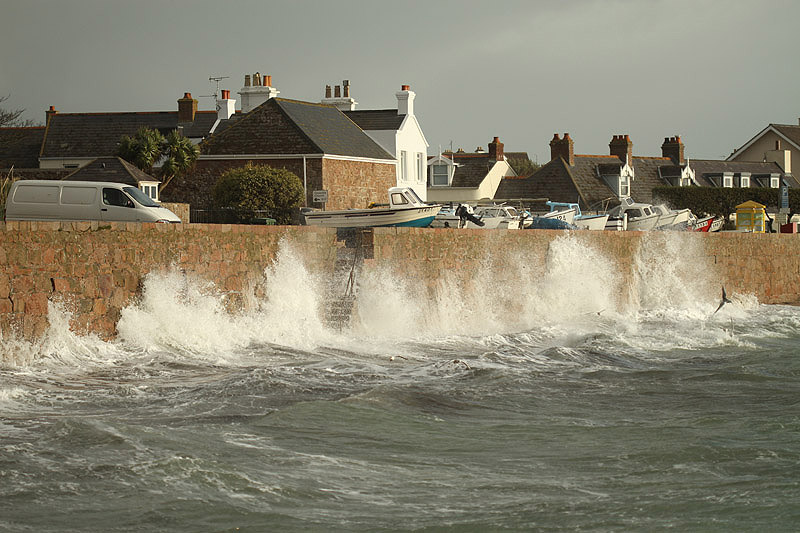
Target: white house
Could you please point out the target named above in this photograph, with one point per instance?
(468, 177)
(396, 130)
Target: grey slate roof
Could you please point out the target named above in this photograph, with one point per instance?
(791, 132)
(19, 147)
(113, 169)
(705, 169)
(98, 134)
(471, 169)
(376, 119)
(281, 126)
(583, 182)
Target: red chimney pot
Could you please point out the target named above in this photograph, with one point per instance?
(405, 87)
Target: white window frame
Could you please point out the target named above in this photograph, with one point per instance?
(727, 180)
(774, 181)
(446, 175)
(744, 181)
(403, 165)
(624, 186)
(420, 168)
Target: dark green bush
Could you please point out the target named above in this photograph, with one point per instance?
(276, 191)
(722, 201)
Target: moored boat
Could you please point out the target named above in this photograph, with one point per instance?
(581, 221)
(640, 217)
(405, 209)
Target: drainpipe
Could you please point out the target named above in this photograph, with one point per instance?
(305, 184)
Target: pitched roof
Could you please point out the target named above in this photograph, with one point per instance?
(553, 181)
(281, 126)
(113, 169)
(583, 182)
(19, 147)
(705, 168)
(790, 131)
(98, 134)
(376, 119)
(647, 174)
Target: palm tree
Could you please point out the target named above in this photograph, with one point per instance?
(148, 147)
(180, 155)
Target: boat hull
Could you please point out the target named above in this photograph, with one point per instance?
(591, 222)
(415, 217)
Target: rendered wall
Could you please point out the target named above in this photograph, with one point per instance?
(97, 270)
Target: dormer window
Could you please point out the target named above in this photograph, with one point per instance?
(727, 180)
(150, 188)
(440, 174)
(774, 181)
(744, 181)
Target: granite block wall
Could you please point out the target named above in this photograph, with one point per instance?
(97, 269)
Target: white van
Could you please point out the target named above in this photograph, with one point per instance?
(82, 200)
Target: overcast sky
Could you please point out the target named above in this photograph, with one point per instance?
(715, 72)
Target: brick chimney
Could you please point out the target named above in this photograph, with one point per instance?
(187, 107)
(405, 100)
(49, 113)
(496, 149)
(622, 147)
(341, 97)
(673, 148)
(563, 148)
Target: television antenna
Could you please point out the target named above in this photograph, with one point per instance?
(215, 96)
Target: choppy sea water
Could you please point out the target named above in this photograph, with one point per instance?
(547, 402)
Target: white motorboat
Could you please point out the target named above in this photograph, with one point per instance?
(672, 218)
(640, 217)
(483, 217)
(590, 222)
(562, 211)
(498, 216)
(405, 209)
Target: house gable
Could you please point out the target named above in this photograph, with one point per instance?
(264, 130)
(291, 127)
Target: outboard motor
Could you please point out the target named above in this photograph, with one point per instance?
(465, 214)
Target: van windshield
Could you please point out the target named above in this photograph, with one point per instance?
(140, 197)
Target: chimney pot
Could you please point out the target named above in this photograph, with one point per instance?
(52, 108)
(346, 88)
(622, 147)
(496, 149)
(563, 148)
(337, 91)
(327, 91)
(405, 87)
(247, 80)
(268, 81)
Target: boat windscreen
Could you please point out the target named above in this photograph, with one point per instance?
(413, 195)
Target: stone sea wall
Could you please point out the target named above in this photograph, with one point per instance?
(95, 270)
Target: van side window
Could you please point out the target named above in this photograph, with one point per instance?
(116, 197)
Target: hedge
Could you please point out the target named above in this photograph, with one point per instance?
(722, 201)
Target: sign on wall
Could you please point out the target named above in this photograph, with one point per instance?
(319, 197)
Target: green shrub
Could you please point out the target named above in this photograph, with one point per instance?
(259, 187)
(722, 201)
